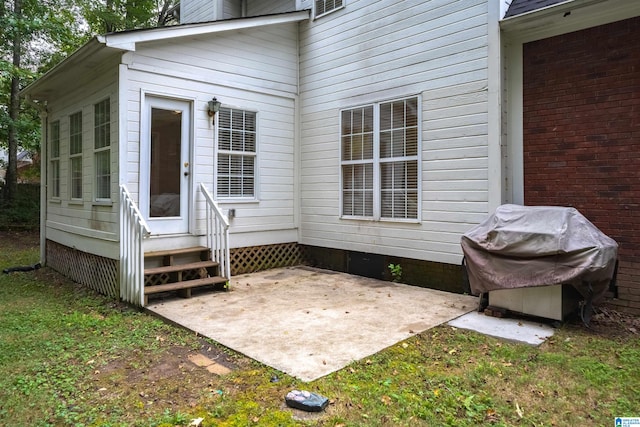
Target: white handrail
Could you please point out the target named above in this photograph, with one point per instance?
(217, 233)
(133, 229)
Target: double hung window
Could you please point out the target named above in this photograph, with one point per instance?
(236, 157)
(380, 154)
(102, 149)
(54, 140)
(75, 154)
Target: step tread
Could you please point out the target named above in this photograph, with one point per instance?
(180, 251)
(179, 267)
(184, 285)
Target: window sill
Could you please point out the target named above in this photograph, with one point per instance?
(383, 220)
(237, 201)
(76, 202)
(102, 203)
(55, 201)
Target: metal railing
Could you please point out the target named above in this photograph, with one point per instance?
(217, 234)
(133, 229)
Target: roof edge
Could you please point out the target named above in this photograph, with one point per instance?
(84, 51)
(127, 40)
(540, 12)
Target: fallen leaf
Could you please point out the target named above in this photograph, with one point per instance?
(405, 345)
(519, 411)
(386, 400)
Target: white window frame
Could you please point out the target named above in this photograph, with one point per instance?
(100, 148)
(327, 3)
(75, 156)
(377, 161)
(240, 153)
(54, 158)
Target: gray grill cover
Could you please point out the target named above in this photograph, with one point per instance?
(524, 246)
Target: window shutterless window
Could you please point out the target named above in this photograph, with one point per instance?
(380, 149)
(54, 141)
(75, 154)
(322, 7)
(102, 149)
(236, 154)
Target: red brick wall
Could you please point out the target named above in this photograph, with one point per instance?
(582, 135)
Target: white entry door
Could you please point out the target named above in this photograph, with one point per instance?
(165, 169)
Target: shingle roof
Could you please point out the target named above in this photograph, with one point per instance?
(518, 7)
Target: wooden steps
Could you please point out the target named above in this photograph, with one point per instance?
(180, 267)
(188, 284)
(182, 270)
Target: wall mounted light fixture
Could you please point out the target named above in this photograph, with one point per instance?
(213, 107)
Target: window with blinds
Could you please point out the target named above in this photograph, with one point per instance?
(322, 7)
(236, 155)
(380, 148)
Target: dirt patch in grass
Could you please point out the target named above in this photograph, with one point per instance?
(611, 323)
(19, 240)
(167, 378)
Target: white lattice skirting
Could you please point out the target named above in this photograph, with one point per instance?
(93, 271)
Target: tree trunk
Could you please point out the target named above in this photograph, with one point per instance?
(11, 186)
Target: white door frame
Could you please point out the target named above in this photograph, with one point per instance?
(178, 224)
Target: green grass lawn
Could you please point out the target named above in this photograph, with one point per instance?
(71, 357)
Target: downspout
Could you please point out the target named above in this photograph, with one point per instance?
(244, 8)
(297, 144)
(496, 183)
(44, 127)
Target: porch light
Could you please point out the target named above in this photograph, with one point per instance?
(213, 107)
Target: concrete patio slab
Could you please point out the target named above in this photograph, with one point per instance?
(309, 322)
(511, 329)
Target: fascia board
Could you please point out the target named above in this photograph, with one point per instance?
(572, 15)
(129, 39)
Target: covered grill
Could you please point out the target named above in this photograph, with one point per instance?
(533, 246)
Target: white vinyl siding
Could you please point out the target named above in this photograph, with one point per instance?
(322, 7)
(236, 158)
(54, 142)
(386, 50)
(380, 160)
(261, 7)
(82, 223)
(75, 154)
(253, 70)
(102, 149)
